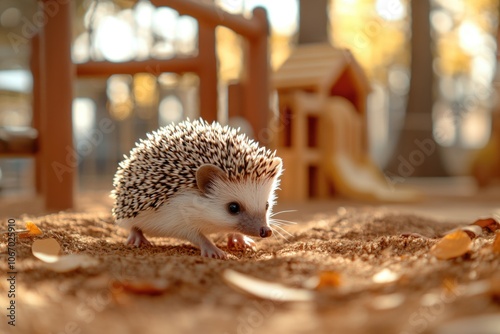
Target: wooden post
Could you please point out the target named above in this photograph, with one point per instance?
(59, 158)
(257, 80)
(207, 71)
(36, 106)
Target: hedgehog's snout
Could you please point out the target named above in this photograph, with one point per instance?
(265, 231)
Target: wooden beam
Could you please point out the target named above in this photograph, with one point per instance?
(153, 66)
(211, 14)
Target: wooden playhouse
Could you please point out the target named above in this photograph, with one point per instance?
(322, 129)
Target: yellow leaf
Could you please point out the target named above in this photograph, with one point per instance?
(452, 245)
(33, 229)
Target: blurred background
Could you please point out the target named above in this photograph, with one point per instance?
(461, 39)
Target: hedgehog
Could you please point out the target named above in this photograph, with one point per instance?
(193, 179)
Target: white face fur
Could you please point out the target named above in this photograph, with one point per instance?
(237, 206)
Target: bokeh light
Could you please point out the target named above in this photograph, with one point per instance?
(170, 110)
(465, 66)
(115, 39)
(84, 117)
(120, 104)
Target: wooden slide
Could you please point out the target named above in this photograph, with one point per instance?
(347, 164)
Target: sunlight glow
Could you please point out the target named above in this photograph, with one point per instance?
(16, 81)
(441, 21)
(470, 37)
(116, 39)
(186, 32)
(164, 22)
(143, 13)
(390, 10)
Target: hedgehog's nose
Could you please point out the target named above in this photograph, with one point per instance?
(265, 232)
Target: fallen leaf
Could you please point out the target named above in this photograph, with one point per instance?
(31, 230)
(385, 276)
(146, 287)
(46, 250)
(264, 289)
(452, 245)
(489, 223)
(496, 243)
(473, 231)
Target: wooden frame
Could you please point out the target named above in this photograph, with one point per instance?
(54, 74)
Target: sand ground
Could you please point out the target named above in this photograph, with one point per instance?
(356, 241)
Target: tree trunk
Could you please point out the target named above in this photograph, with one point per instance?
(417, 153)
(313, 18)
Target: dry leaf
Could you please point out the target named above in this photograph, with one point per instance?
(452, 245)
(496, 243)
(146, 287)
(489, 223)
(473, 231)
(46, 250)
(264, 289)
(33, 229)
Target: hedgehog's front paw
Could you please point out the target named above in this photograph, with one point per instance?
(240, 242)
(214, 253)
(136, 238)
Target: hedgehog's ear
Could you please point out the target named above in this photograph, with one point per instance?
(207, 174)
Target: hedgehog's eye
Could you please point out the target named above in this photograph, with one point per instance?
(233, 208)
(267, 206)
